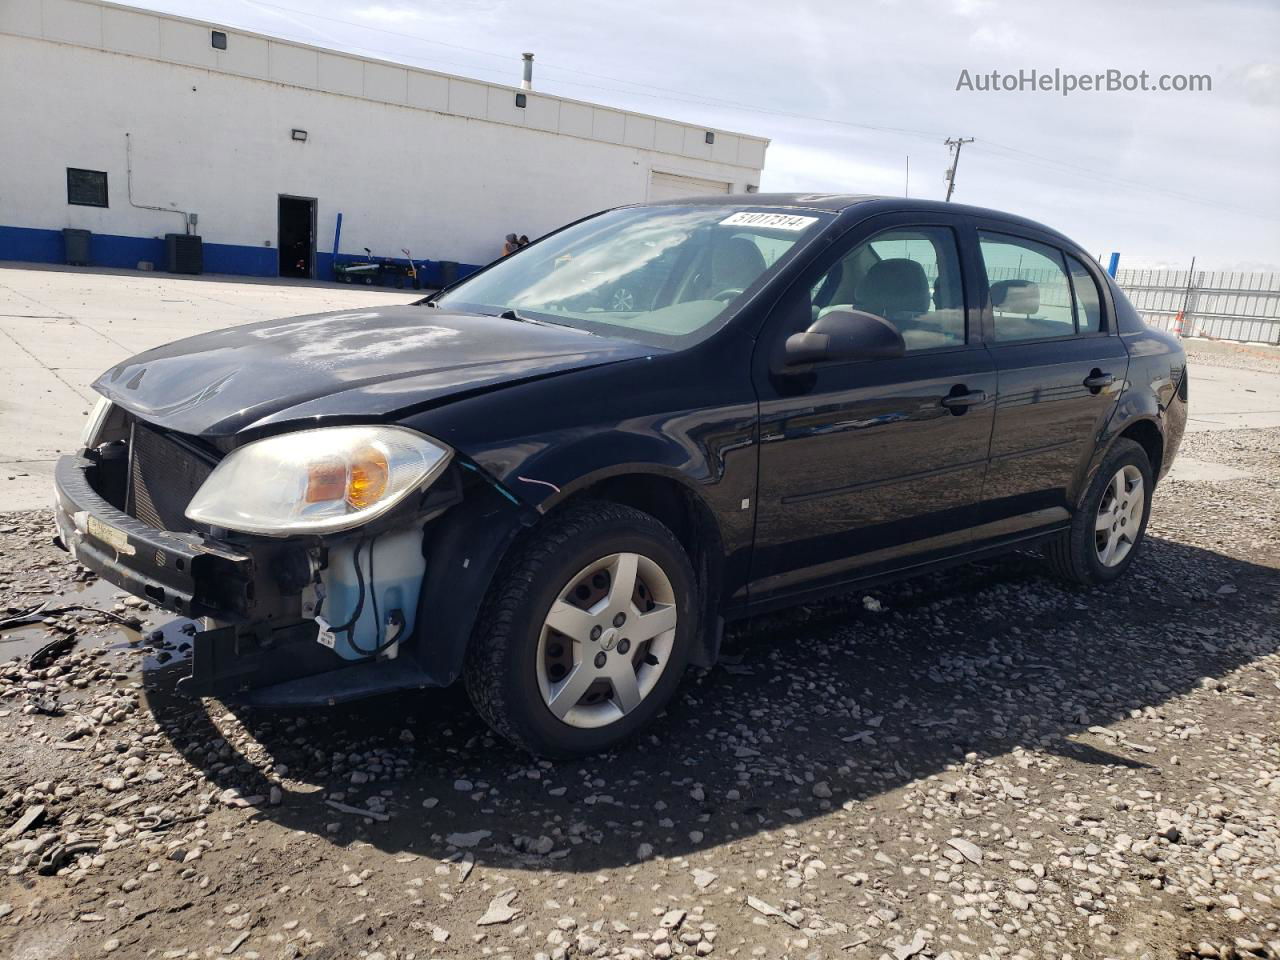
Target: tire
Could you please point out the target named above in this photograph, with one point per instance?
(517, 661)
(1077, 554)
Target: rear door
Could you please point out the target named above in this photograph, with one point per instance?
(874, 464)
(1060, 369)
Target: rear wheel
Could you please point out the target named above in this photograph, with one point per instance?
(585, 633)
(1111, 522)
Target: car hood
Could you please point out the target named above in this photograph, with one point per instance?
(345, 365)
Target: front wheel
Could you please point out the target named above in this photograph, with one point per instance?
(1112, 519)
(585, 632)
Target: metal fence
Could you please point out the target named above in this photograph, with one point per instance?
(1221, 305)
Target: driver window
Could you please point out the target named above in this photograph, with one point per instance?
(909, 276)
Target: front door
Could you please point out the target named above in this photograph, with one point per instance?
(1061, 369)
(297, 239)
(872, 464)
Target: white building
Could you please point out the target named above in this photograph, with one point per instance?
(134, 125)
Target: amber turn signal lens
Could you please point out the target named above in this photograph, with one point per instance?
(327, 481)
(369, 477)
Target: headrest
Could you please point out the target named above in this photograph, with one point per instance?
(736, 263)
(1016, 296)
(946, 292)
(893, 287)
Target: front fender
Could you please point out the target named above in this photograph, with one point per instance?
(464, 549)
(544, 442)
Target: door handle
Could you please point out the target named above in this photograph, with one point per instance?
(960, 401)
(1097, 380)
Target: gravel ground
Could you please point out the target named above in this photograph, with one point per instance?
(980, 763)
(1237, 356)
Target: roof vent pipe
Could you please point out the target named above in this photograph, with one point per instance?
(527, 82)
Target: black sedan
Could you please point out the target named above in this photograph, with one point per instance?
(561, 494)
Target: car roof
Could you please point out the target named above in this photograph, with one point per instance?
(840, 202)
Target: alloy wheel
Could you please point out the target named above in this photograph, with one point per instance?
(606, 640)
(1119, 517)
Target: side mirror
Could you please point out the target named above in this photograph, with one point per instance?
(845, 335)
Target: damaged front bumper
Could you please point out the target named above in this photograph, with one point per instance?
(190, 575)
(260, 647)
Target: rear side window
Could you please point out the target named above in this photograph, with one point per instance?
(910, 276)
(1088, 297)
(1029, 290)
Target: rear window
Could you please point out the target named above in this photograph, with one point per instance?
(1088, 297)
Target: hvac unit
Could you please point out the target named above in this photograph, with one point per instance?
(184, 253)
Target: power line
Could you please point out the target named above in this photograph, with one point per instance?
(1026, 156)
(681, 96)
(666, 93)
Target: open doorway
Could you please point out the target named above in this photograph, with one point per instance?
(297, 241)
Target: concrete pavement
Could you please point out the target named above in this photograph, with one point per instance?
(61, 327)
(1224, 398)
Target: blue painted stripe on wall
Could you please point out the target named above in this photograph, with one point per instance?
(233, 258)
(111, 250)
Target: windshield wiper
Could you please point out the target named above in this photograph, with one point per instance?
(512, 314)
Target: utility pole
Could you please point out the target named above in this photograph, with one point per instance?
(953, 147)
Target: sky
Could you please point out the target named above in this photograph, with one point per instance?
(848, 91)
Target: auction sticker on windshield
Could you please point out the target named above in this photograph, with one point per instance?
(774, 221)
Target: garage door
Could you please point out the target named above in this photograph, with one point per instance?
(668, 186)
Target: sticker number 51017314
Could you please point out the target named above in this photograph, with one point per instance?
(773, 221)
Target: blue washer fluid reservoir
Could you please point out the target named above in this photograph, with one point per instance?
(393, 566)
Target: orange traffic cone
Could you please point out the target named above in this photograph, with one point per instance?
(1177, 324)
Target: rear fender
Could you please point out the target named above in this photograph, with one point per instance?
(1155, 393)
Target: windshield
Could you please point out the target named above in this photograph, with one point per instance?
(661, 275)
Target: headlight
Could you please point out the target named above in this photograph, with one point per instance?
(97, 416)
(316, 481)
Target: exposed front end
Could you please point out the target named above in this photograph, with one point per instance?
(319, 606)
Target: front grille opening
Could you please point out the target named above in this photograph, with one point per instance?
(165, 471)
(110, 477)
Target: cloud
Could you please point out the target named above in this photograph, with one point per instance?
(802, 169)
(972, 8)
(1261, 83)
(1113, 170)
(1000, 37)
(381, 14)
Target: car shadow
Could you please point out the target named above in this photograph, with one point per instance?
(862, 695)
